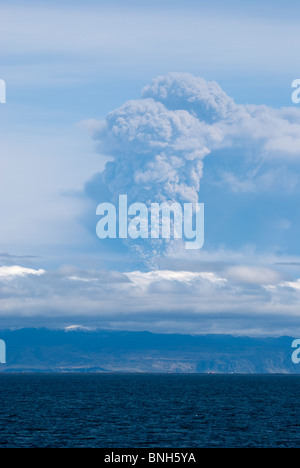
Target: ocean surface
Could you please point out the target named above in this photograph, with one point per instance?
(157, 411)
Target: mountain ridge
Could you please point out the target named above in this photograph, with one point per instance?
(83, 350)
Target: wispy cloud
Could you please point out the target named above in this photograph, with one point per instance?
(111, 36)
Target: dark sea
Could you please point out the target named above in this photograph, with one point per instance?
(142, 411)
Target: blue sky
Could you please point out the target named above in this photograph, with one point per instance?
(67, 65)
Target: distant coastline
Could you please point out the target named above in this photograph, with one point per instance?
(42, 350)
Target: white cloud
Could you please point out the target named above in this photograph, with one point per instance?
(291, 284)
(11, 272)
(143, 280)
(252, 275)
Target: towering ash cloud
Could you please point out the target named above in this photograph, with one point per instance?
(158, 153)
(158, 144)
